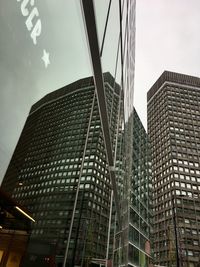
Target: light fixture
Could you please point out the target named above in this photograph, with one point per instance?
(24, 213)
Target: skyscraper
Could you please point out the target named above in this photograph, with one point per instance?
(174, 132)
(63, 178)
(106, 39)
(135, 202)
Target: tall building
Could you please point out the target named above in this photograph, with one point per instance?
(136, 201)
(64, 178)
(174, 132)
(64, 129)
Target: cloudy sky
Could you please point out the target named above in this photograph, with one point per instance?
(167, 38)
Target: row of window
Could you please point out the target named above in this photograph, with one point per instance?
(178, 192)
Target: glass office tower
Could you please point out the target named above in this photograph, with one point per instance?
(136, 202)
(61, 44)
(173, 127)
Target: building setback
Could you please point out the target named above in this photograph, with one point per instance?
(62, 156)
(174, 132)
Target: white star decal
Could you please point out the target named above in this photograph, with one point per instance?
(45, 58)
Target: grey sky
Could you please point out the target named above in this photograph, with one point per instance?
(24, 78)
(167, 37)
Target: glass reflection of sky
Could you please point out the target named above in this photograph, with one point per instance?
(43, 47)
(35, 63)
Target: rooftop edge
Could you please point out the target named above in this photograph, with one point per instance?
(169, 76)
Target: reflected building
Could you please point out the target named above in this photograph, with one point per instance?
(173, 127)
(64, 178)
(133, 249)
(63, 167)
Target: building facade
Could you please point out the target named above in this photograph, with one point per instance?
(64, 132)
(174, 132)
(136, 202)
(64, 179)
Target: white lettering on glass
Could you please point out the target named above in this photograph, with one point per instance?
(33, 24)
(24, 8)
(28, 9)
(29, 21)
(36, 31)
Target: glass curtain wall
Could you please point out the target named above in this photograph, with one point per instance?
(47, 45)
(117, 46)
(133, 247)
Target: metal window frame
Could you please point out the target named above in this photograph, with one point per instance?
(93, 45)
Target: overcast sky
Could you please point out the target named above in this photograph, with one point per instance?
(167, 38)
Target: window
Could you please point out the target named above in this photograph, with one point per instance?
(190, 253)
(177, 184)
(194, 232)
(182, 184)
